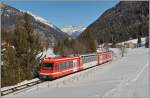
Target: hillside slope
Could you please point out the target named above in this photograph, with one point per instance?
(128, 19)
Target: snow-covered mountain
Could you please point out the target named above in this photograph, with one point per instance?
(41, 19)
(48, 32)
(73, 30)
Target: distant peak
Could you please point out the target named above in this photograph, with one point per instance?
(73, 30)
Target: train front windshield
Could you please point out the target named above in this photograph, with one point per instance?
(48, 66)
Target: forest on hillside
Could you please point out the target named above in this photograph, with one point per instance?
(19, 51)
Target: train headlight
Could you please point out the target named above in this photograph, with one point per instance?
(44, 76)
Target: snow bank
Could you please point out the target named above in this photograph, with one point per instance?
(134, 41)
(21, 83)
(116, 52)
(47, 53)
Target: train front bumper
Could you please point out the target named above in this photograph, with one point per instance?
(45, 77)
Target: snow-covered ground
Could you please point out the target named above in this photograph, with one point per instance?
(135, 41)
(123, 77)
(18, 84)
(47, 53)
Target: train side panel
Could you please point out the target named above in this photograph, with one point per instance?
(64, 66)
(89, 60)
(104, 57)
(90, 64)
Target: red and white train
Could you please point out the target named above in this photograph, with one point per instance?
(51, 68)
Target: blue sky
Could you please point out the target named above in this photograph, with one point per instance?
(64, 13)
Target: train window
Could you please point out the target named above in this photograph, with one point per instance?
(87, 59)
(94, 58)
(100, 58)
(90, 58)
(103, 58)
(61, 65)
(48, 66)
(74, 64)
(67, 64)
(84, 60)
(71, 64)
(57, 66)
(64, 65)
(108, 56)
(78, 62)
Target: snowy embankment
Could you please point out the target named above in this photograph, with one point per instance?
(47, 53)
(124, 77)
(134, 41)
(21, 83)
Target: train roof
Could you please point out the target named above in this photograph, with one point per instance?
(103, 52)
(52, 60)
(93, 54)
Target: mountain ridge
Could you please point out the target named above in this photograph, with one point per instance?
(48, 33)
(127, 19)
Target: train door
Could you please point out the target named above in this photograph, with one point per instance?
(57, 69)
(75, 65)
(97, 59)
(111, 56)
(79, 65)
(100, 58)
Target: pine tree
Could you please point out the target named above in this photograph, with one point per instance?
(88, 41)
(9, 66)
(17, 42)
(84, 44)
(32, 47)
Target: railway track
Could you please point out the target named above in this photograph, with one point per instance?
(20, 87)
(27, 85)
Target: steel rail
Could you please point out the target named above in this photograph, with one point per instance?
(20, 87)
